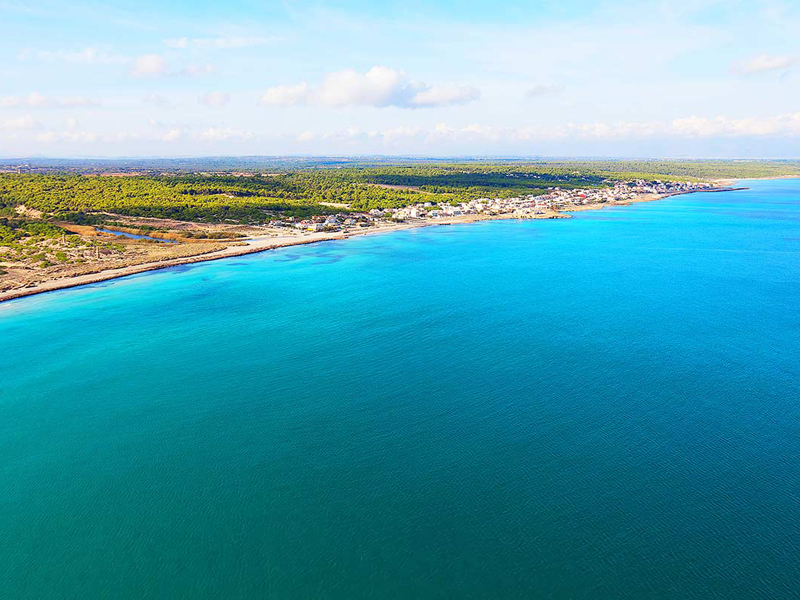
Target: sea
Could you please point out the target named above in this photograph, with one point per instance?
(601, 407)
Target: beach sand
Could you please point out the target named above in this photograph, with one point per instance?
(262, 243)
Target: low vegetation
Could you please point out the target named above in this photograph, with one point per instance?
(49, 209)
(304, 187)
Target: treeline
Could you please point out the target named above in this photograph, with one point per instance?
(308, 189)
(285, 164)
(212, 199)
(12, 229)
(198, 198)
(684, 169)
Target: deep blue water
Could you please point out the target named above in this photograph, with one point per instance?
(601, 407)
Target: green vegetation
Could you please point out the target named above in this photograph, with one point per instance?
(12, 230)
(686, 169)
(255, 199)
(281, 188)
(214, 199)
(224, 198)
(38, 242)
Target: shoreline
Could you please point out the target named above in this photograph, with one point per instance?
(262, 244)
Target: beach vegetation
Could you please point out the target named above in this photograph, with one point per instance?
(300, 189)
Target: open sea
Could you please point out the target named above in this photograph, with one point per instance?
(603, 407)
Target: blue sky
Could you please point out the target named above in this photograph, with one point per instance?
(677, 78)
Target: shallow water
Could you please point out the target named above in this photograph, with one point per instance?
(598, 407)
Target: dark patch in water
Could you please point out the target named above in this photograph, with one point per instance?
(101, 284)
(287, 258)
(777, 215)
(328, 261)
(184, 268)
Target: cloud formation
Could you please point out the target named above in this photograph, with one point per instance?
(83, 56)
(220, 134)
(159, 101)
(67, 136)
(287, 95)
(172, 135)
(155, 65)
(194, 70)
(764, 63)
(26, 123)
(785, 125)
(149, 65)
(37, 100)
(519, 139)
(544, 89)
(378, 87)
(219, 43)
(215, 99)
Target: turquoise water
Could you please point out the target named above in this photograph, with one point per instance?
(600, 407)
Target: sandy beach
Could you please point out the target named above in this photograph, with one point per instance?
(263, 243)
(242, 247)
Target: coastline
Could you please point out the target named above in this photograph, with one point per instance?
(262, 244)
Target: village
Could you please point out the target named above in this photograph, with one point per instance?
(529, 206)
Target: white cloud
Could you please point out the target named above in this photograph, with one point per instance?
(158, 100)
(48, 137)
(786, 125)
(544, 89)
(378, 87)
(32, 100)
(349, 134)
(433, 138)
(73, 134)
(155, 65)
(26, 123)
(77, 102)
(181, 42)
(445, 95)
(215, 99)
(306, 136)
(781, 125)
(396, 133)
(149, 65)
(67, 136)
(172, 135)
(220, 43)
(195, 70)
(79, 136)
(220, 134)
(37, 100)
(84, 56)
(286, 95)
(764, 63)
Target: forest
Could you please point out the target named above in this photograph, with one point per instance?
(259, 197)
(86, 191)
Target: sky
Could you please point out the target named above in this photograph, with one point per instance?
(679, 78)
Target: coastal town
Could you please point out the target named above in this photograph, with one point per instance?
(49, 256)
(547, 205)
